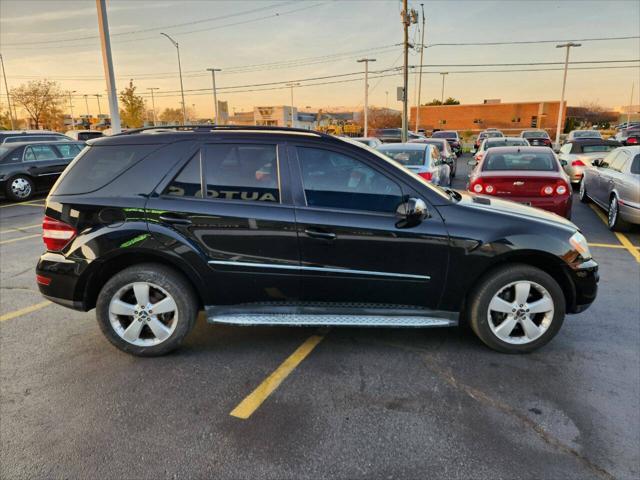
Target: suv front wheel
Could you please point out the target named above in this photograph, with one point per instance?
(517, 309)
(146, 310)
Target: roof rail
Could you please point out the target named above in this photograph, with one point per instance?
(210, 128)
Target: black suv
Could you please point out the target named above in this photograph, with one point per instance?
(261, 225)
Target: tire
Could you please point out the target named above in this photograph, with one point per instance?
(582, 194)
(614, 222)
(521, 337)
(152, 334)
(19, 188)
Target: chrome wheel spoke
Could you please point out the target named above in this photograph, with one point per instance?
(165, 305)
(158, 328)
(531, 330)
(506, 327)
(522, 292)
(118, 307)
(544, 305)
(141, 291)
(132, 333)
(500, 305)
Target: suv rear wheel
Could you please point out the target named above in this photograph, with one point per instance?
(147, 309)
(517, 309)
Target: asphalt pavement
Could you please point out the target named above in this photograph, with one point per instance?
(364, 403)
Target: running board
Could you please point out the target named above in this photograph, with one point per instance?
(329, 316)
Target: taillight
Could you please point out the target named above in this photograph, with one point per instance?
(577, 163)
(477, 187)
(632, 140)
(426, 175)
(547, 190)
(560, 188)
(479, 156)
(56, 234)
(489, 188)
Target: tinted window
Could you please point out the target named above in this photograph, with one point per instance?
(242, 172)
(635, 165)
(506, 143)
(536, 161)
(98, 165)
(89, 135)
(39, 153)
(68, 150)
(445, 135)
(597, 148)
(586, 134)
(535, 135)
(10, 155)
(406, 157)
(334, 180)
(187, 182)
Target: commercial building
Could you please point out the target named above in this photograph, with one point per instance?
(511, 118)
(282, 115)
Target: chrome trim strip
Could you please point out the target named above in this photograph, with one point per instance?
(318, 269)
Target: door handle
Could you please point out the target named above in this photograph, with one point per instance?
(175, 220)
(319, 234)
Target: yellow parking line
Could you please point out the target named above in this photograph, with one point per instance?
(28, 203)
(607, 245)
(251, 403)
(620, 236)
(19, 229)
(24, 311)
(20, 238)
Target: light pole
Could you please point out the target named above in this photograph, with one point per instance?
(175, 44)
(420, 77)
(97, 95)
(630, 105)
(105, 41)
(442, 94)
(86, 103)
(564, 83)
(292, 85)
(387, 101)
(4, 74)
(215, 95)
(406, 21)
(366, 93)
(73, 122)
(153, 105)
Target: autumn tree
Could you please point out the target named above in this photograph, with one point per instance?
(382, 118)
(37, 98)
(133, 111)
(5, 120)
(173, 116)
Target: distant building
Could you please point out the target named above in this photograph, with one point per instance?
(511, 118)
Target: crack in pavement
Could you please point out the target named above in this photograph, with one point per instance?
(483, 398)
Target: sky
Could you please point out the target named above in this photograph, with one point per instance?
(269, 41)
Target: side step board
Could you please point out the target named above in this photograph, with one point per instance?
(330, 316)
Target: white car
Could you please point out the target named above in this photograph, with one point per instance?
(84, 135)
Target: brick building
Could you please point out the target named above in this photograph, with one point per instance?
(511, 118)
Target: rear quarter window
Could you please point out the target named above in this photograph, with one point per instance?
(96, 166)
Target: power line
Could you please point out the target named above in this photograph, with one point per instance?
(528, 42)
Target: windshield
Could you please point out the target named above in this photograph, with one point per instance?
(506, 143)
(445, 135)
(531, 161)
(535, 135)
(404, 171)
(586, 134)
(406, 157)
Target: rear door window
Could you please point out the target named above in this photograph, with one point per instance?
(40, 153)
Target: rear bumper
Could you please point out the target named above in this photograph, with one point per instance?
(64, 275)
(558, 205)
(585, 279)
(629, 213)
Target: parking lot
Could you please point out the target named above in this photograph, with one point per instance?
(353, 403)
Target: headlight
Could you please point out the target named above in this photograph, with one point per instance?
(578, 242)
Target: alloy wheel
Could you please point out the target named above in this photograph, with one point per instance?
(520, 312)
(21, 188)
(143, 314)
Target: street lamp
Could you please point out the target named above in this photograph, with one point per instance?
(366, 92)
(153, 105)
(442, 95)
(215, 96)
(97, 95)
(292, 85)
(73, 122)
(175, 44)
(564, 83)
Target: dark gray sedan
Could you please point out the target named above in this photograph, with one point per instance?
(614, 184)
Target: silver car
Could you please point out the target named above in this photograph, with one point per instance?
(577, 155)
(574, 134)
(372, 142)
(420, 158)
(614, 184)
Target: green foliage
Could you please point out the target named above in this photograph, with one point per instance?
(451, 101)
(40, 98)
(133, 110)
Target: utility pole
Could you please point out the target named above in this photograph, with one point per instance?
(630, 104)
(97, 95)
(4, 74)
(86, 103)
(184, 111)
(105, 40)
(408, 17)
(420, 75)
(215, 95)
(292, 85)
(387, 101)
(73, 122)
(564, 84)
(366, 93)
(153, 105)
(442, 94)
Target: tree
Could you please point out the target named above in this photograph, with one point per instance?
(37, 97)
(173, 116)
(381, 118)
(595, 114)
(5, 120)
(132, 113)
(451, 101)
(433, 102)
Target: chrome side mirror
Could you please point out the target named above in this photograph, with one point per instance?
(412, 212)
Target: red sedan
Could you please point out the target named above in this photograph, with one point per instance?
(529, 175)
